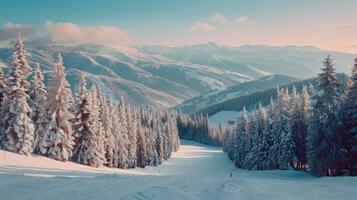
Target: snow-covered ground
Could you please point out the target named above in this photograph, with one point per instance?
(196, 171)
(223, 117)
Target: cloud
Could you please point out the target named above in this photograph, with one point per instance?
(10, 31)
(201, 27)
(218, 18)
(70, 33)
(241, 20)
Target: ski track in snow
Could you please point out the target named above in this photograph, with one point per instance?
(196, 171)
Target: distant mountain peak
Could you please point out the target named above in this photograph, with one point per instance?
(261, 47)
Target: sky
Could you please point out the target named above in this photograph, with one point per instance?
(328, 24)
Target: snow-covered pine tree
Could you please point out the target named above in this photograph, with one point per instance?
(38, 96)
(350, 123)
(87, 149)
(166, 140)
(263, 146)
(269, 124)
(116, 131)
(299, 128)
(160, 144)
(280, 151)
(97, 110)
(287, 144)
(275, 135)
(109, 144)
(251, 150)
(295, 123)
(82, 127)
(16, 125)
(256, 135)
(121, 137)
(235, 150)
(328, 85)
(152, 156)
(141, 152)
(109, 141)
(243, 138)
(175, 136)
(169, 135)
(229, 142)
(131, 137)
(324, 149)
(232, 143)
(80, 117)
(22, 61)
(57, 142)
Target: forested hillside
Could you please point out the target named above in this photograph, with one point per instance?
(88, 128)
(312, 130)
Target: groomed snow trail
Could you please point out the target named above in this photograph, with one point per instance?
(196, 171)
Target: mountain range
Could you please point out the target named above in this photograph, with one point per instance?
(168, 76)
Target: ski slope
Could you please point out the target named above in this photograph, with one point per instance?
(196, 171)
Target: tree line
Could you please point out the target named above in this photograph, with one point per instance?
(251, 101)
(89, 128)
(317, 133)
(198, 128)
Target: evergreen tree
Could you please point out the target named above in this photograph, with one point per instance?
(57, 142)
(81, 117)
(300, 128)
(234, 148)
(251, 150)
(131, 137)
(232, 144)
(350, 119)
(121, 155)
(97, 110)
(109, 143)
(280, 151)
(116, 130)
(16, 125)
(141, 152)
(269, 124)
(175, 136)
(152, 156)
(38, 103)
(324, 149)
(160, 145)
(87, 147)
(263, 147)
(286, 145)
(25, 69)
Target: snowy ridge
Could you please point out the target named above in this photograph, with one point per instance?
(254, 60)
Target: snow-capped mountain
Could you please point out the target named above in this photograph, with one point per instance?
(242, 89)
(139, 77)
(256, 60)
(167, 76)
